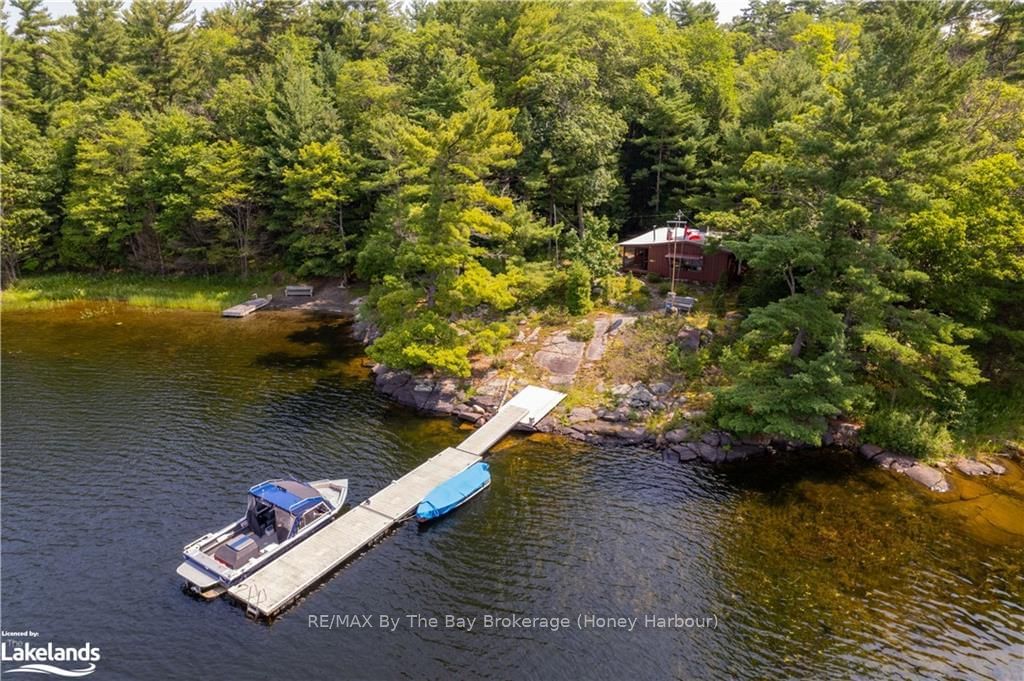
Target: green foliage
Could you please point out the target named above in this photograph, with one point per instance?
(488, 338)
(424, 339)
(318, 185)
(687, 363)
(625, 290)
(914, 435)
(595, 249)
(554, 316)
(582, 331)
(26, 164)
(577, 289)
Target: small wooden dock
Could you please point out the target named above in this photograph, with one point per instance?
(247, 308)
(275, 587)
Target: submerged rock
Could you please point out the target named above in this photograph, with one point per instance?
(970, 467)
(870, 451)
(932, 478)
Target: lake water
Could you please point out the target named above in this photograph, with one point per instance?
(127, 433)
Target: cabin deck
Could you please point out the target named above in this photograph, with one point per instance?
(280, 583)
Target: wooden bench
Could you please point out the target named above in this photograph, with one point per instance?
(298, 290)
(682, 304)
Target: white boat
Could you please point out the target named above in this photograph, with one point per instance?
(281, 514)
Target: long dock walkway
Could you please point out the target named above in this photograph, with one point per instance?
(275, 587)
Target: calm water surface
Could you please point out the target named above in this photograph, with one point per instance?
(127, 433)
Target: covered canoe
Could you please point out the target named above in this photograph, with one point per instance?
(453, 493)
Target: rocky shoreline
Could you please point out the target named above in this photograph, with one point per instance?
(557, 359)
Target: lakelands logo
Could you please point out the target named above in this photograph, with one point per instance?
(37, 659)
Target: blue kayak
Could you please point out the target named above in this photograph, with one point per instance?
(451, 494)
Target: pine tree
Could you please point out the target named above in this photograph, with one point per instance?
(159, 36)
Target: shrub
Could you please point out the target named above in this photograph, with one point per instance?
(655, 278)
(619, 287)
(554, 316)
(490, 339)
(577, 293)
(423, 340)
(689, 364)
(596, 249)
(539, 283)
(918, 436)
(583, 330)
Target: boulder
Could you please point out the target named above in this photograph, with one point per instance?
(969, 467)
(556, 362)
(486, 401)
(869, 452)
(686, 452)
(621, 390)
(932, 478)
(580, 414)
(633, 435)
(710, 453)
(676, 436)
(641, 392)
(661, 389)
(688, 339)
(997, 468)
(893, 462)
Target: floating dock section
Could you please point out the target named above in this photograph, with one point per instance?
(276, 586)
(247, 308)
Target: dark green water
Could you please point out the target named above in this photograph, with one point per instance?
(127, 433)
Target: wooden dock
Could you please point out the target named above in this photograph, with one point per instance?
(276, 586)
(247, 308)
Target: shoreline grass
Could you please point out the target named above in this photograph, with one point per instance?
(205, 294)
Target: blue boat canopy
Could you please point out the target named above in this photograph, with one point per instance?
(290, 495)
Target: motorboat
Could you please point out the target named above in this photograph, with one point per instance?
(280, 515)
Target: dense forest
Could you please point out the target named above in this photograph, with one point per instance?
(865, 160)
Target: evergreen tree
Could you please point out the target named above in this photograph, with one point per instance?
(159, 36)
(440, 230)
(688, 12)
(318, 185)
(98, 40)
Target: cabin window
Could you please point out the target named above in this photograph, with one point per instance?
(635, 259)
(695, 264)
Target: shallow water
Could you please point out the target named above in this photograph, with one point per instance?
(127, 433)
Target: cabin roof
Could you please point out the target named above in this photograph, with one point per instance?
(668, 235)
(290, 495)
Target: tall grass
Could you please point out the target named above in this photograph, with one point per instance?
(188, 293)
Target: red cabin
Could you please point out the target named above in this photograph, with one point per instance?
(679, 248)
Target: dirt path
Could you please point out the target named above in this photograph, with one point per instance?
(329, 297)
